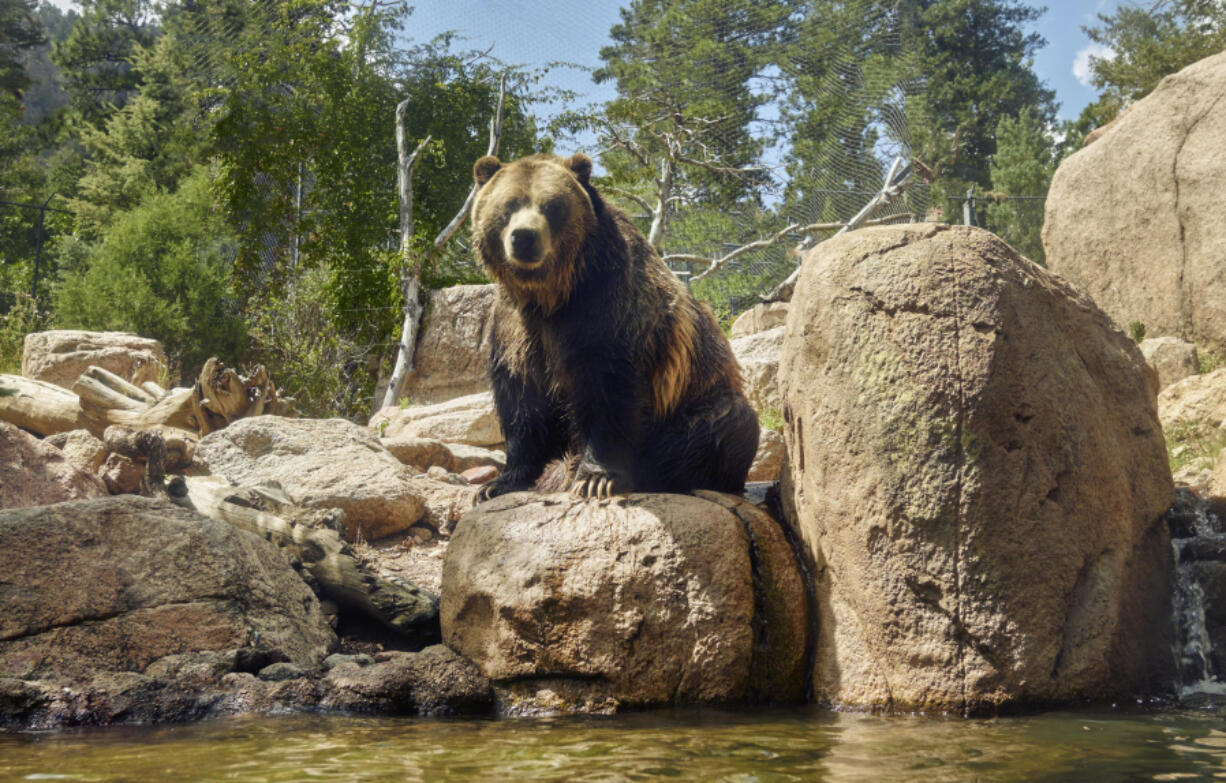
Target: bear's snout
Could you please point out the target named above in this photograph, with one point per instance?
(523, 244)
(526, 239)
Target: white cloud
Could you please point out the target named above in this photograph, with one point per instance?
(1081, 62)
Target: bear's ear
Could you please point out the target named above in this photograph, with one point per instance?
(581, 165)
(485, 168)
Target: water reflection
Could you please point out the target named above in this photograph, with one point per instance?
(684, 745)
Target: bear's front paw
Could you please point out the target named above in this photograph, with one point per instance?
(596, 482)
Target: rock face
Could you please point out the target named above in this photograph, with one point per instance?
(426, 453)
(468, 420)
(1193, 414)
(1174, 359)
(61, 356)
(759, 318)
(115, 584)
(452, 355)
(34, 473)
(330, 463)
(758, 355)
(644, 600)
(1135, 218)
(978, 473)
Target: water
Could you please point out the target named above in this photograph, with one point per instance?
(797, 744)
(1195, 531)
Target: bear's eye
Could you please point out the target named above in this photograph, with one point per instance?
(554, 210)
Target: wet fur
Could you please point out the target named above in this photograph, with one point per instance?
(601, 353)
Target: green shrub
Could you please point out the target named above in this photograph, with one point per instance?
(1136, 330)
(21, 319)
(162, 270)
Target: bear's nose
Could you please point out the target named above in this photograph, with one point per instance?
(523, 244)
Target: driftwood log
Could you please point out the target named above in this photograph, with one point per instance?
(324, 555)
(100, 399)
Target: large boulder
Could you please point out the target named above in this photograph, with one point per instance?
(34, 473)
(1174, 359)
(116, 584)
(978, 474)
(60, 356)
(453, 348)
(647, 599)
(1135, 218)
(769, 460)
(320, 463)
(758, 355)
(468, 420)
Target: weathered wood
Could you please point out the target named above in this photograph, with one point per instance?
(96, 394)
(120, 385)
(42, 408)
(324, 555)
(155, 391)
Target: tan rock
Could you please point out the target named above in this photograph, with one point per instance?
(469, 420)
(320, 463)
(1174, 359)
(445, 501)
(1199, 399)
(759, 318)
(121, 475)
(115, 584)
(35, 473)
(452, 356)
(60, 356)
(425, 453)
(769, 460)
(978, 472)
(647, 598)
(81, 448)
(1216, 485)
(1135, 218)
(758, 355)
(482, 474)
(419, 453)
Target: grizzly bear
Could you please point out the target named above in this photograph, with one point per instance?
(602, 360)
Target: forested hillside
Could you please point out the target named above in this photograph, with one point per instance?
(221, 174)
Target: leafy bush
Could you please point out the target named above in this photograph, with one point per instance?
(162, 270)
(294, 335)
(21, 319)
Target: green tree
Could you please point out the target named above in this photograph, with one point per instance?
(20, 31)
(96, 57)
(976, 58)
(163, 270)
(691, 78)
(1022, 166)
(1146, 44)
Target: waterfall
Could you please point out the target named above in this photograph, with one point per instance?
(1199, 540)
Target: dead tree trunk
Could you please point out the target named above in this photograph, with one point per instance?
(400, 607)
(412, 284)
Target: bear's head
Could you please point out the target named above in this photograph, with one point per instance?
(530, 220)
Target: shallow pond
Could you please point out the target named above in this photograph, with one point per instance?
(794, 744)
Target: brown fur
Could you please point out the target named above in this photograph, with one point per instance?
(589, 315)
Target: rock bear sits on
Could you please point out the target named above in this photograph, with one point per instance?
(600, 355)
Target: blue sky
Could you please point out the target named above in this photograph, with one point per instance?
(524, 31)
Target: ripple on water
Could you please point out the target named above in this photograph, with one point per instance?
(783, 745)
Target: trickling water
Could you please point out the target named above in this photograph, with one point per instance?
(1200, 548)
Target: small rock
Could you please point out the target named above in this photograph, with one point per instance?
(421, 533)
(340, 659)
(1174, 359)
(468, 420)
(282, 671)
(759, 318)
(480, 475)
(35, 473)
(420, 453)
(465, 456)
(122, 475)
(81, 448)
(438, 473)
(769, 460)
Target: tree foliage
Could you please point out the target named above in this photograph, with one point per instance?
(1022, 168)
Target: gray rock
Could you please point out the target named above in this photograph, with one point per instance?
(60, 356)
